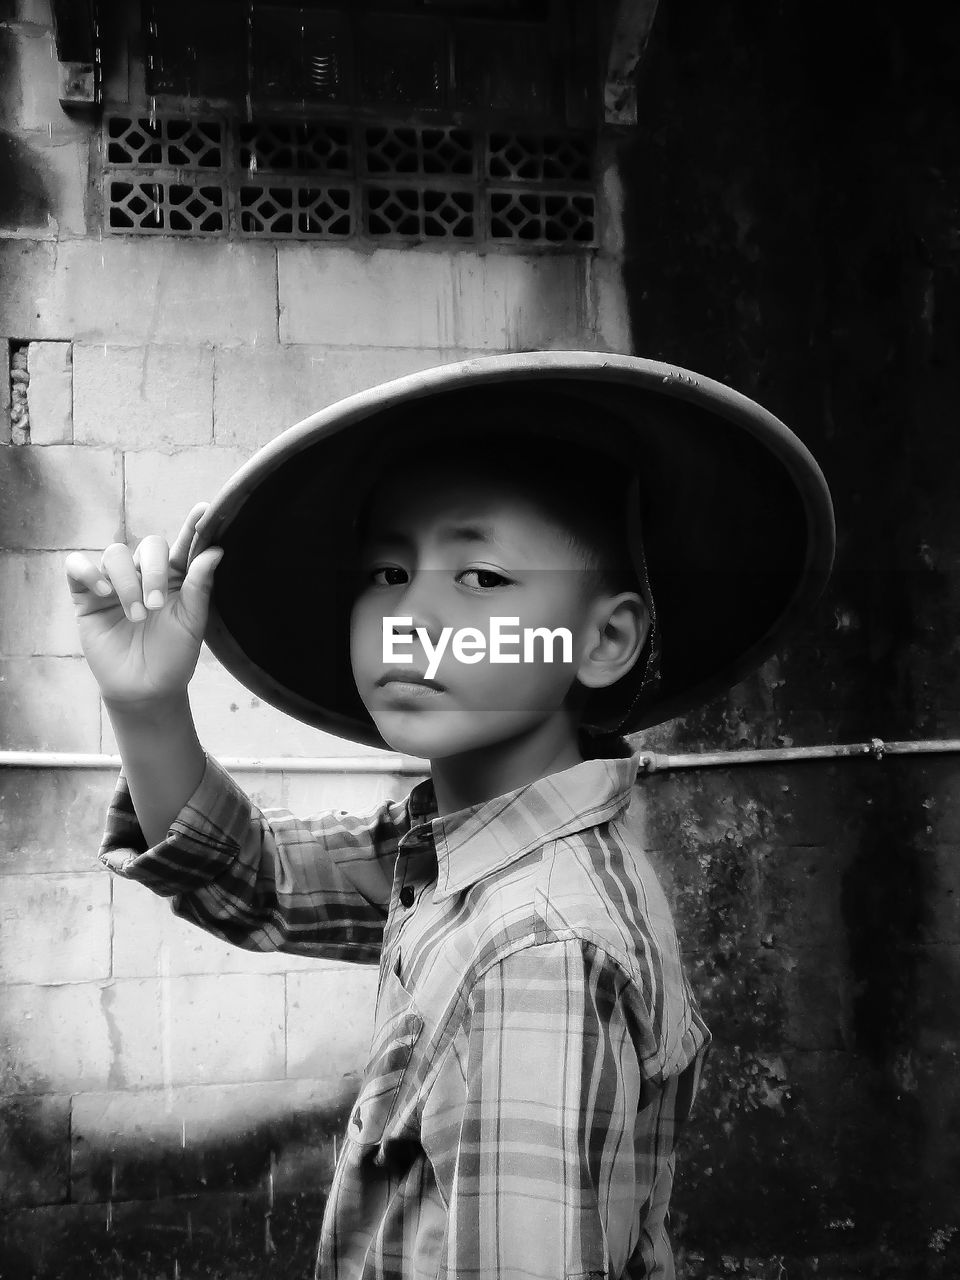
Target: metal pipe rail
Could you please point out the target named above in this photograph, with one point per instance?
(650, 761)
(382, 764)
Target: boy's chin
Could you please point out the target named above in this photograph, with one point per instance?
(435, 737)
(429, 742)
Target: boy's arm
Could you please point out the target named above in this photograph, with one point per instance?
(178, 822)
(265, 880)
(163, 760)
(565, 1161)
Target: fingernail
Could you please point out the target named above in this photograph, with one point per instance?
(155, 599)
(137, 612)
(103, 588)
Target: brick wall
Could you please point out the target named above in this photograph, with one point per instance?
(166, 1096)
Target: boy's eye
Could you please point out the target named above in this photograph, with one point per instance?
(486, 578)
(485, 573)
(386, 568)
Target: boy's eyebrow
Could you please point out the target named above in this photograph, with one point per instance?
(452, 532)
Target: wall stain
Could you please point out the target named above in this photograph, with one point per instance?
(23, 194)
(791, 199)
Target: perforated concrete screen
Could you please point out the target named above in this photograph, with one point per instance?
(219, 175)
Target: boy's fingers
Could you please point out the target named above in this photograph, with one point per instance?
(117, 565)
(151, 556)
(200, 573)
(197, 585)
(184, 539)
(83, 576)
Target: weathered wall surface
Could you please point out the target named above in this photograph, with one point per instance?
(170, 1105)
(791, 222)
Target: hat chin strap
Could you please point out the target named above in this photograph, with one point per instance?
(648, 664)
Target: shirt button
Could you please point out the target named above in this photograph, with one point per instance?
(407, 895)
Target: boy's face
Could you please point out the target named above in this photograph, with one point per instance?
(413, 566)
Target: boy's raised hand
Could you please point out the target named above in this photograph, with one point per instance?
(141, 615)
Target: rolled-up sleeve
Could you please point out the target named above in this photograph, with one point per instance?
(565, 1159)
(265, 879)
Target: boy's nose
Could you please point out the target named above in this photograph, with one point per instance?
(418, 602)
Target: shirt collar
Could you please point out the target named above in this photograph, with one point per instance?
(501, 830)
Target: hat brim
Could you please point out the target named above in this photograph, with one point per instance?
(738, 526)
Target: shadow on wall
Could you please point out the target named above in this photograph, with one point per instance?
(23, 194)
(242, 1205)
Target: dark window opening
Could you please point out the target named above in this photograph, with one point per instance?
(397, 121)
(521, 60)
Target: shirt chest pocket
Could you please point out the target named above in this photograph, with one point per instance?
(386, 1110)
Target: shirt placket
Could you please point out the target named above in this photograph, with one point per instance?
(414, 873)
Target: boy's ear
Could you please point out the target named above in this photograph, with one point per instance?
(619, 631)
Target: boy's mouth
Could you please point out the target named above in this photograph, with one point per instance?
(407, 675)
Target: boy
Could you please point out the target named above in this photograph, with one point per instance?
(536, 1043)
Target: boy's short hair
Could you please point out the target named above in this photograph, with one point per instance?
(581, 491)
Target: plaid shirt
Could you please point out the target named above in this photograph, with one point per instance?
(536, 1042)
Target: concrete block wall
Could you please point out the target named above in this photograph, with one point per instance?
(140, 1058)
(145, 404)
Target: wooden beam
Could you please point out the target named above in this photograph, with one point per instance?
(75, 35)
(632, 24)
(74, 30)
